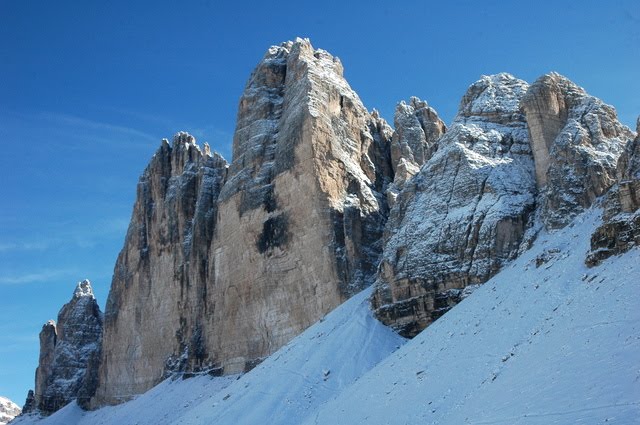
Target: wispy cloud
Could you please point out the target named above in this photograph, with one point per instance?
(24, 246)
(67, 234)
(74, 121)
(40, 276)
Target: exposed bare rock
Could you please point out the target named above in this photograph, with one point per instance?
(221, 268)
(576, 141)
(620, 230)
(464, 214)
(417, 130)
(160, 277)
(66, 349)
(8, 410)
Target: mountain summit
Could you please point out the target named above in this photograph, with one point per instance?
(224, 264)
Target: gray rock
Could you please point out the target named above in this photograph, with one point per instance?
(620, 230)
(221, 267)
(417, 130)
(576, 141)
(64, 372)
(464, 214)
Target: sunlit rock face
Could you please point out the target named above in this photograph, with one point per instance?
(620, 230)
(514, 154)
(464, 214)
(576, 141)
(223, 264)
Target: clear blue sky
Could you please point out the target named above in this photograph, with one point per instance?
(88, 89)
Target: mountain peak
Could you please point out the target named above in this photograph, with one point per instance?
(493, 95)
(83, 289)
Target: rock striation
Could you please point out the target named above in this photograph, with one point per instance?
(8, 410)
(620, 230)
(68, 352)
(464, 214)
(225, 263)
(516, 157)
(576, 140)
(417, 129)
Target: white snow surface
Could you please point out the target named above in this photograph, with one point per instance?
(285, 389)
(553, 344)
(8, 410)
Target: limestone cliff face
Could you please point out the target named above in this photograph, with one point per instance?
(513, 153)
(417, 130)
(222, 266)
(464, 214)
(620, 230)
(160, 277)
(66, 350)
(576, 140)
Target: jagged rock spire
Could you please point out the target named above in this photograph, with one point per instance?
(69, 350)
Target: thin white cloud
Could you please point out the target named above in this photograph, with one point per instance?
(71, 120)
(24, 246)
(81, 236)
(41, 276)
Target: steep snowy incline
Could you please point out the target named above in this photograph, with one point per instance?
(546, 341)
(8, 410)
(162, 404)
(285, 389)
(292, 383)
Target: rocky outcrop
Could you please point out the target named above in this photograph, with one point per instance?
(576, 140)
(620, 230)
(160, 276)
(417, 130)
(66, 350)
(464, 214)
(221, 267)
(8, 410)
(513, 155)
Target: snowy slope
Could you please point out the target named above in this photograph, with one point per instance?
(8, 410)
(546, 341)
(284, 389)
(161, 405)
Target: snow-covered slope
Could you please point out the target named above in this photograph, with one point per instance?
(284, 389)
(546, 341)
(8, 410)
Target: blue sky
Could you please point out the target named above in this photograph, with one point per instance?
(88, 89)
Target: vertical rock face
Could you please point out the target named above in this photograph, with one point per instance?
(309, 165)
(512, 150)
(66, 349)
(417, 129)
(222, 266)
(620, 230)
(464, 214)
(576, 141)
(8, 410)
(160, 276)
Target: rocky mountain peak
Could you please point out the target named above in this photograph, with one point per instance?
(464, 214)
(576, 141)
(235, 261)
(83, 289)
(417, 130)
(496, 97)
(69, 352)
